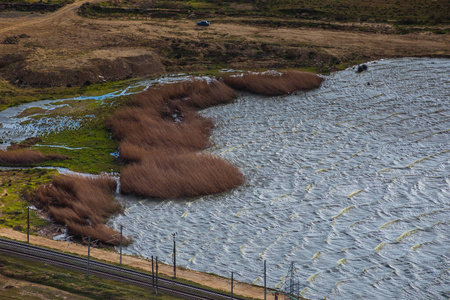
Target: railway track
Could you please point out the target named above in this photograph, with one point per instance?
(73, 262)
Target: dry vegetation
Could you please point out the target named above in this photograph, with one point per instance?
(274, 83)
(19, 155)
(161, 133)
(23, 157)
(82, 204)
(162, 174)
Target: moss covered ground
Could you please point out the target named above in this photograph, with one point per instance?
(90, 148)
(13, 212)
(13, 95)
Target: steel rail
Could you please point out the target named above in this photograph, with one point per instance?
(137, 278)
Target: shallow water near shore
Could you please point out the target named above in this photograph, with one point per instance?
(350, 182)
(16, 127)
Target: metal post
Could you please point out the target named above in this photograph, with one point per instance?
(121, 227)
(174, 256)
(231, 285)
(89, 254)
(265, 280)
(28, 225)
(153, 274)
(157, 275)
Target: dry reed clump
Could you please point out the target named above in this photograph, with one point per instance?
(198, 93)
(137, 126)
(187, 174)
(274, 84)
(26, 157)
(25, 144)
(82, 204)
(160, 133)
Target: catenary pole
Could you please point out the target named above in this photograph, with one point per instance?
(28, 225)
(157, 275)
(89, 254)
(174, 256)
(231, 285)
(265, 281)
(121, 227)
(153, 274)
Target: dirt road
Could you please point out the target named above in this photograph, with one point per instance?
(63, 41)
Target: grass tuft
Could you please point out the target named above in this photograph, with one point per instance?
(161, 133)
(162, 174)
(82, 204)
(273, 83)
(26, 157)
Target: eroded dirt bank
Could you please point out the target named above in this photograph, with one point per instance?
(65, 49)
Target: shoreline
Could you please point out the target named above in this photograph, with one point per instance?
(209, 280)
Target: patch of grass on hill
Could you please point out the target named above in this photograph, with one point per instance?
(403, 12)
(13, 210)
(61, 2)
(74, 282)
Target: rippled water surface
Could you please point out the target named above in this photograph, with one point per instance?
(350, 182)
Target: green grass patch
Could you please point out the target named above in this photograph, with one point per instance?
(90, 148)
(61, 2)
(13, 95)
(13, 208)
(404, 12)
(74, 282)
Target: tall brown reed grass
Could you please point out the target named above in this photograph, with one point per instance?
(26, 157)
(187, 174)
(196, 94)
(82, 204)
(274, 84)
(160, 133)
(137, 126)
(27, 143)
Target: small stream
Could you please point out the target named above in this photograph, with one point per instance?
(350, 182)
(16, 128)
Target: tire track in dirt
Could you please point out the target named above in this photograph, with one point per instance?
(64, 15)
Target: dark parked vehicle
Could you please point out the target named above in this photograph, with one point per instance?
(203, 23)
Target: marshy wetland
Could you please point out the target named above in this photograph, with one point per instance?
(350, 181)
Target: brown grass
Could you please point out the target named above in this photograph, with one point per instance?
(139, 127)
(82, 204)
(160, 132)
(168, 175)
(274, 84)
(26, 157)
(198, 93)
(195, 94)
(25, 144)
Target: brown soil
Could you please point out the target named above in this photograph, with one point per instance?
(213, 281)
(18, 289)
(64, 49)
